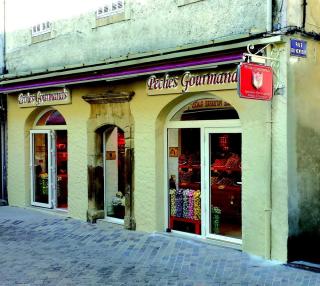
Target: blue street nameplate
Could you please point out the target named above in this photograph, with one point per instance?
(298, 48)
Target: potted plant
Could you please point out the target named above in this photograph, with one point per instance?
(118, 203)
(215, 219)
(43, 183)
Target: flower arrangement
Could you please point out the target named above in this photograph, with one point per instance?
(216, 210)
(44, 183)
(216, 213)
(43, 175)
(118, 200)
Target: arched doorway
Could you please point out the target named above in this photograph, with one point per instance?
(204, 169)
(49, 161)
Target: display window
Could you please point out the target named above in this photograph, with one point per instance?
(49, 162)
(184, 167)
(204, 170)
(225, 184)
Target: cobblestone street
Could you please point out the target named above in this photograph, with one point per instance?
(43, 249)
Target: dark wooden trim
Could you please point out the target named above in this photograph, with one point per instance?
(109, 97)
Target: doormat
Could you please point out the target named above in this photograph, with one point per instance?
(314, 267)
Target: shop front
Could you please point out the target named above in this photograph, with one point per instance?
(179, 152)
(215, 147)
(203, 151)
(78, 150)
(48, 148)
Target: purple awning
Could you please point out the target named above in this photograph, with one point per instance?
(128, 72)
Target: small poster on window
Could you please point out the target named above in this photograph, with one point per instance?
(173, 151)
(111, 155)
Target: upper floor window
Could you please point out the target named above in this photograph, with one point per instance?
(112, 7)
(40, 29)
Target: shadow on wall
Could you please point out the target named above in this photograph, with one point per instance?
(303, 244)
(304, 247)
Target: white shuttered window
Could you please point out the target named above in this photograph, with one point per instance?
(111, 7)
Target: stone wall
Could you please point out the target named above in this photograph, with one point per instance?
(304, 146)
(148, 26)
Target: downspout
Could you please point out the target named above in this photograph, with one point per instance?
(268, 197)
(4, 70)
(3, 115)
(269, 16)
(304, 14)
(268, 205)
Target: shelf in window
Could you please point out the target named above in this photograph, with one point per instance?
(217, 187)
(225, 169)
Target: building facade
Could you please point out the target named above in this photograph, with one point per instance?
(3, 161)
(138, 121)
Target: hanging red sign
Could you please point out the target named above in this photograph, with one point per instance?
(255, 81)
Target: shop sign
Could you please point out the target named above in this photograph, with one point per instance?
(255, 81)
(209, 104)
(43, 98)
(298, 48)
(189, 82)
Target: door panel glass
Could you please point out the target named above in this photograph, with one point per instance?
(62, 168)
(225, 184)
(184, 181)
(115, 173)
(41, 171)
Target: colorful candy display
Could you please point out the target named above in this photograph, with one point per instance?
(185, 203)
(197, 205)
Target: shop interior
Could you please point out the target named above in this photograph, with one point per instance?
(114, 142)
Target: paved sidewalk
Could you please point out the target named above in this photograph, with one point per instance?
(37, 248)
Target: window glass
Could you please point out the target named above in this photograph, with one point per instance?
(184, 181)
(51, 117)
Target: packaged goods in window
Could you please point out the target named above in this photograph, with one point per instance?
(185, 203)
(172, 193)
(190, 204)
(233, 161)
(197, 205)
(179, 203)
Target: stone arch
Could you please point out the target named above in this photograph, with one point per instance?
(107, 111)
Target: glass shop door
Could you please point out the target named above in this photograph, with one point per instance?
(114, 176)
(223, 173)
(43, 168)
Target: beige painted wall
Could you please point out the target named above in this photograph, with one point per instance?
(312, 20)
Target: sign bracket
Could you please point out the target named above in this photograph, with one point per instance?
(254, 57)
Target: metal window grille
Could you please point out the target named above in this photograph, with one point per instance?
(112, 7)
(40, 29)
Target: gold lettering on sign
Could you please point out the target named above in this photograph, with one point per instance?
(189, 82)
(41, 98)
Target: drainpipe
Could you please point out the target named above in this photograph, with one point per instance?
(269, 16)
(4, 70)
(268, 197)
(304, 14)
